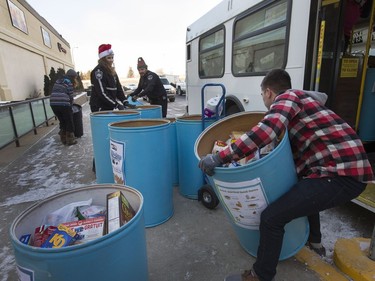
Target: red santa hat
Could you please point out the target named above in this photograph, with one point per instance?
(105, 50)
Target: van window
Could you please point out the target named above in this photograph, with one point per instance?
(211, 55)
(259, 42)
(188, 52)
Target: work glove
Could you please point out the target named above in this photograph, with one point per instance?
(209, 162)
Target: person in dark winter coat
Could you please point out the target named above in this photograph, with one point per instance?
(107, 92)
(151, 86)
(61, 101)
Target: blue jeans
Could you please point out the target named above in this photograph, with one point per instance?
(306, 198)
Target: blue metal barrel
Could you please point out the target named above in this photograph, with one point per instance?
(173, 147)
(150, 111)
(190, 176)
(141, 151)
(243, 190)
(87, 261)
(100, 140)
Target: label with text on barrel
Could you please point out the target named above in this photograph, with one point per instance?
(117, 153)
(25, 274)
(244, 201)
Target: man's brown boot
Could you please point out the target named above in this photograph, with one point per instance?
(249, 275)
(62, 135)
(70, 138)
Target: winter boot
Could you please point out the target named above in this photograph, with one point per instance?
(70, 138)
(317, 248)
(62, 134)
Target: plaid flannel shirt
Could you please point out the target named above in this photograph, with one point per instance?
(323, 144)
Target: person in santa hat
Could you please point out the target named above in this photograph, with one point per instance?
(107, 92)
(151, 86)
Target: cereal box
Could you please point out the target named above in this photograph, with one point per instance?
(219, 146)
(26, 239)
(91, 211)
(119, 211)
(236, 135)
(42, 233)
(88, 229)
(61, 237)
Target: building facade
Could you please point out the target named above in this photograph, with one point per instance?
(29, 48)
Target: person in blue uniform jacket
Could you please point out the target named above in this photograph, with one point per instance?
(151, 86)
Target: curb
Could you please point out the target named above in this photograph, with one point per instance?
(351, 257)
(324, 270)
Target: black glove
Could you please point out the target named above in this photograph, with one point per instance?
(119, 106)
(208, 163)
(127, 104)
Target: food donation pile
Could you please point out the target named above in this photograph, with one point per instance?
(81, 222)
(220, 145)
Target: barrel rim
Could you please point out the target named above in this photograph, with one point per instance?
(107, 113)
(158, 123)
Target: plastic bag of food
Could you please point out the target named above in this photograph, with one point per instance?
(65, 214)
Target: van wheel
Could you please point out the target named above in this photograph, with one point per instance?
(231, 110)
(171, 99)
(208, 197)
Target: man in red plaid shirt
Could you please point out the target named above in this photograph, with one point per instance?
(331, 163)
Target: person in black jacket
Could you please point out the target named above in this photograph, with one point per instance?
(61, 101)
(150, 85)
(107, 92)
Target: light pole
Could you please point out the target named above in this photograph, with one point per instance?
(73, 60)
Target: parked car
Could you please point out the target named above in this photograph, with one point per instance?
(171, 91)
(130, 87)
(180, 88)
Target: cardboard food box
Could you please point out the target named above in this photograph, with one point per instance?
(61, 237)
(26, 239)
(219, 146)
(42, 233)
(119, 211)
(236, 135)
(92, 211)
(88, 229)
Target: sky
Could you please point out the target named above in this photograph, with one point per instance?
(154, 30)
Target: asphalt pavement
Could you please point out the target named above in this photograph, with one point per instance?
(195, 244)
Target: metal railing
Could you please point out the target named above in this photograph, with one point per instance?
(19, 118)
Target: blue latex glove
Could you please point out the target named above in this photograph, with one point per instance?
(209, 162)
(127, 104)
